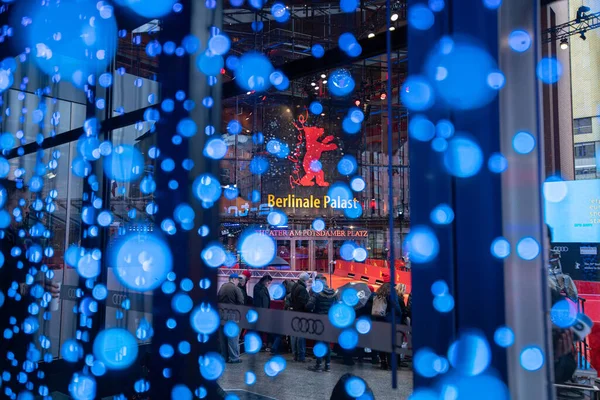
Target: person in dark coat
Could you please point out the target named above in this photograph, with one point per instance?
(397, 307)
(365, 311)
(298, 301)
(243, 285)
(262, 298)
(320, 301)
(230, 293)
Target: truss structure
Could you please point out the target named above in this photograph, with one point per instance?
(575, 27)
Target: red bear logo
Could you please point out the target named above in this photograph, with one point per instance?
(314, 149)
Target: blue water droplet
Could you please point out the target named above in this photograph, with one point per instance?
(212, 366)
(422, 244)
(417, 93)
(523, 142)
(204, 319)
(532, 358)
(549, 70)
(504, 336)
(528, 248)
(463, 157)
(420, 17)
(257, 250)
(116, 348)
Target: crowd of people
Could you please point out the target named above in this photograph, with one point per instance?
(380, 306)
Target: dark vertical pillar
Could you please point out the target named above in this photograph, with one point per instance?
(488, 292)
(180, 73)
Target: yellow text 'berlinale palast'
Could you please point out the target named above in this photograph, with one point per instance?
(310, 202)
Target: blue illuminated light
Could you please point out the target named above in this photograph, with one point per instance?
(231, 329)
(219, 44)
(212, 366)
(320, 349)
(422, 244)
(182, 303)
(274, 366)
(204, 319)
(549, 70)
(257, 250)
(316, 107)
(181, 392)
(463, 157)
(423, 362)
(347, 165)
(504, 336)
(317, 51)
(82, 387)
(124, 164)
(437, 5)
(277, 291)
(519, 40)
(496, 80)
(442, 214)
(497, 163)
(532, 358)
(249, 378)
(280, 12)
(443, 303)
(555, 189)
(417, 93)
(116, 348)
(421, 128)
(318, 224)
(492, 4)
(528, 248)
(141, 262)
(563, 314)
(363, 325)
(253, 72)
(439, 288)
(500, 248)
(348, 6)
(252, 343)
(420, 17)
(340, 83)
(206, 188)
(523, 142)
(355, 387)
(348, 339)
(342, 315)
(470, 354)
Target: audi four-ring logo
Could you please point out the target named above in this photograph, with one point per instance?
(308, 325)
(71, 293)
(562, 249)
(228, 314)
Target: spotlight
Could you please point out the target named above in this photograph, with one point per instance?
(371, 35)
(313, 84)
(324, 81)
(564, 44)
(316, 88)
(383, 96)
(288, 110)
(323, 76)
(394, 17)
(392, 28)
(582, 36)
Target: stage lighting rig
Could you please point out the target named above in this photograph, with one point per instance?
(579, 26)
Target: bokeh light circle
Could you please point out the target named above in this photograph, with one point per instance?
(141, 261)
